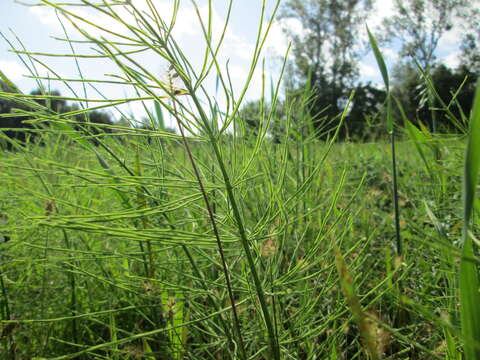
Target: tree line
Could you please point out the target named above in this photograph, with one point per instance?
(14, 120)
(326, 57)
(328, 48)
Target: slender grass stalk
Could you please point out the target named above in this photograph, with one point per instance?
(391, 130)
(402, 315)
(217, 237)
(469, 281)
(353, 302)
(395, 190)
(73, 292)
(8, 341)
(274, 347)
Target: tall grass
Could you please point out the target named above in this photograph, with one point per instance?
(391, 131)
(468, 270)
(469, 284)
(149, 211)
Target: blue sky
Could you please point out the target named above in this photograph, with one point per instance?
(35, 26)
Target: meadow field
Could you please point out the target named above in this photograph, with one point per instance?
(123, 263)
(219, 242)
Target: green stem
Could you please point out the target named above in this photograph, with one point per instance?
(243, 237)
(73, 297)
(395, 197)
(217, 235)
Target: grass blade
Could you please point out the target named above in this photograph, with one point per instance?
(353, 302)
(469, 284)
(159, 116)
(9, 83)
(379, 58)
(390, 129)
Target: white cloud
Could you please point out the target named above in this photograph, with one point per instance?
(382, 9)
(390, 55)
(46, 16)
(367, 70)
(236, 47)
(12, 69)
(452, 60)
(450, 40)
(50, 18)
(277, 41)
(187, 30)
(186, 21)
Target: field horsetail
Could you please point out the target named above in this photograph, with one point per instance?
(179, 182)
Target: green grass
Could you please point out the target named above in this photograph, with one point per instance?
(293, 250)
(219, 244)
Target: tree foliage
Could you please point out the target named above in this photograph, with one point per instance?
(471, 53)
(15, 125)
(453, 101)
(420, 24)
(469, 20)
(326, 52)
(255, 114)
(327, 48)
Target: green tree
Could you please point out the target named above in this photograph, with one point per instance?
(327, 51)
(471, 37)
(15, 126)
(470, 27)
(471, 52)
(328, 46)
(451, 106)
(363, 122)
(56, 104)
(420, 24)
(252, 115)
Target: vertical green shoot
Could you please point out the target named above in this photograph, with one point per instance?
(353, 302)
(391, 130)
(469, 284)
